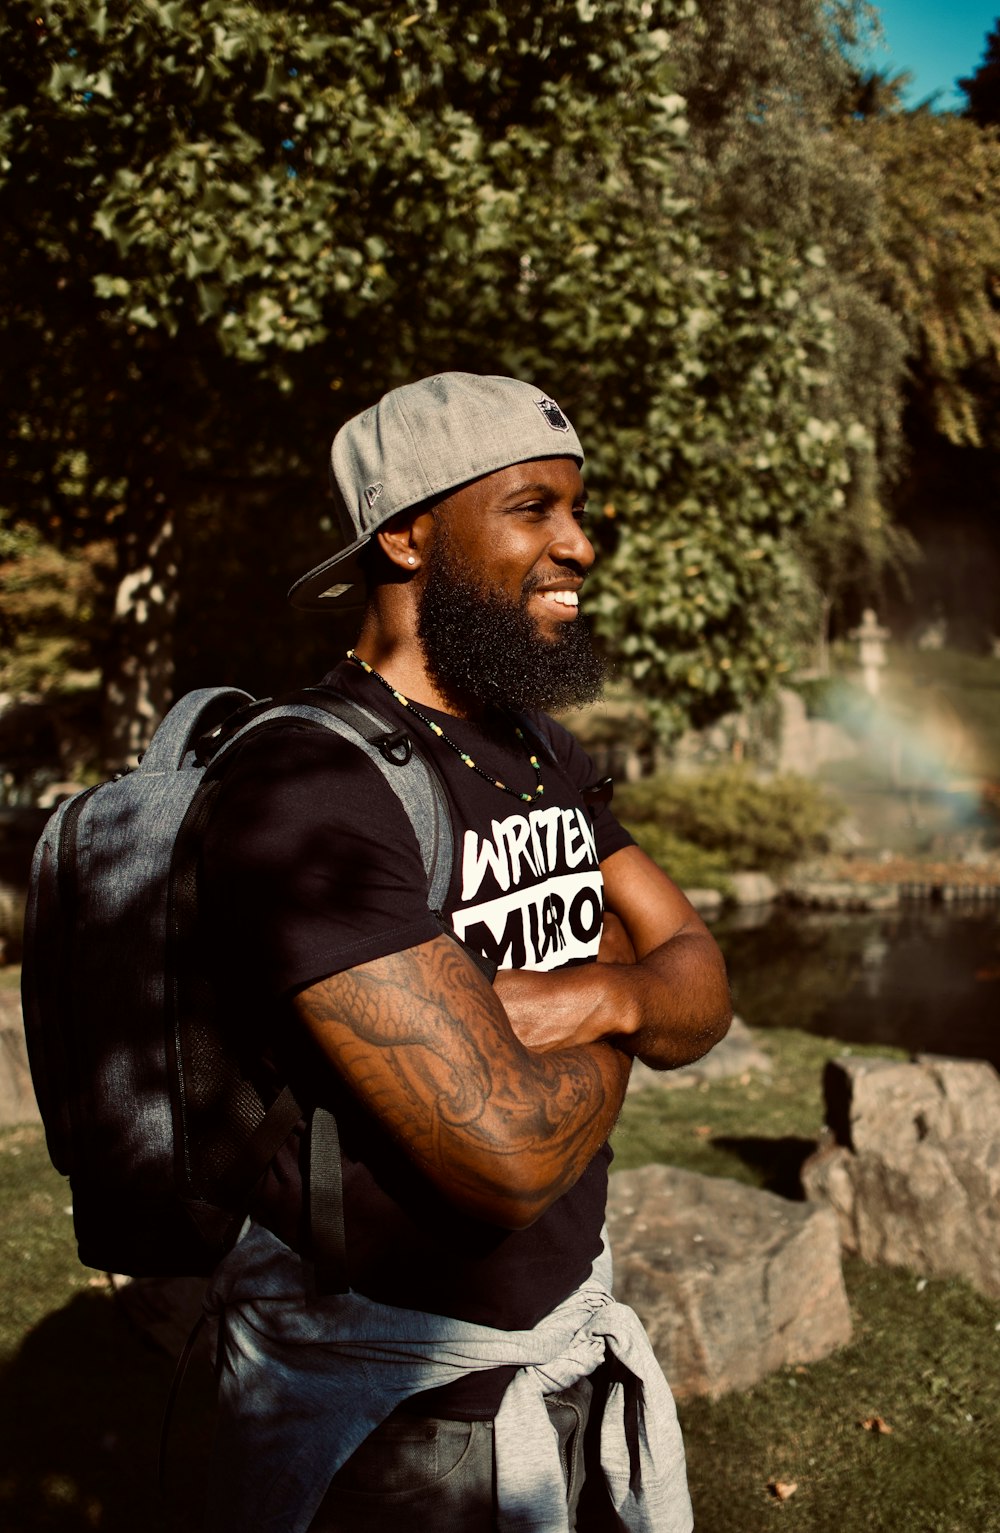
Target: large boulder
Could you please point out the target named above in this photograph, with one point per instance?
(730, 1282)
(910, 1163)
(734, 1055)
(753, 888)
(707, 902)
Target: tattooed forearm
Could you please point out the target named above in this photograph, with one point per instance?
(424, 1042)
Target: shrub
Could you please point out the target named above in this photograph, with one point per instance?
(740, 820)
(693, 867)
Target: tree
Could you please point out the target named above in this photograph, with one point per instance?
(768, 88)
(938, 268)
(48, 610)
(874, 93)
(228, 226)
(937, 264)
(982, 87)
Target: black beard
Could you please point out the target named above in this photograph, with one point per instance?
(481, 646)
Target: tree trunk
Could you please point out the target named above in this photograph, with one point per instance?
(823, 637)
(138, 676)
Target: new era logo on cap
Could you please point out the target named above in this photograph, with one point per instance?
(552, 413)
(372, 494)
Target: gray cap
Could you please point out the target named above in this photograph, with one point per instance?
(420, 441)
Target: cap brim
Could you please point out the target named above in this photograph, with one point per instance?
(337, 582)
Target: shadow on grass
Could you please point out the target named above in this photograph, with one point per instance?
(80, 1411)
(779, 1161)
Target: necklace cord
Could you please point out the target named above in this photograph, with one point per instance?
(525, 798)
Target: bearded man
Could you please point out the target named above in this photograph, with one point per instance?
(478, 1374)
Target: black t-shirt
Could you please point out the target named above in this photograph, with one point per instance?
(311, 867)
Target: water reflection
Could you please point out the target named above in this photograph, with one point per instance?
(924, 977)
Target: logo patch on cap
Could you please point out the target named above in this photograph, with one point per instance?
(552, 413)
(372, 494)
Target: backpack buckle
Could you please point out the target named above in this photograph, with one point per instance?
(396, 748)
(599, 792)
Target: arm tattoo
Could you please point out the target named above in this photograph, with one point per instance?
(422, 1039)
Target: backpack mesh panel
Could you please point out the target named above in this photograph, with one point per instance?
(224, 1095)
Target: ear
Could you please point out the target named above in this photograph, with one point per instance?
(404, 540)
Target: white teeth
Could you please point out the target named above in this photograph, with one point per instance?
(564, 598)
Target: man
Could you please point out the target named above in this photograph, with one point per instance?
(473, 1377)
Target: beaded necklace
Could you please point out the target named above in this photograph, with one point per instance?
(527, 798)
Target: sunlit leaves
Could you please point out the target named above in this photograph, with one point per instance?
(246, 221)
(939, 262)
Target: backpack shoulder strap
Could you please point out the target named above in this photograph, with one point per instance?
(190, 717)
(408, 772)
(419, 789)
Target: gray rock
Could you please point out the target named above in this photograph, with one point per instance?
(911, 1165)
(806, 744)
(753, 888)
(707, 902)
(828, 894)
(730, 1282)
(734, 1055)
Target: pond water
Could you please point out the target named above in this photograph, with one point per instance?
(924, 977)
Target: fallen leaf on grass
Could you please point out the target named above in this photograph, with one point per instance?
(703, 1130)
(782, 1489)
(877, 1424)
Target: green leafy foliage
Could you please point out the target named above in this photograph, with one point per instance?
(690, 866)
(767, 86)
(938, 262)
(227, 227)
(49, 600)
(735, 455)
(751, 823)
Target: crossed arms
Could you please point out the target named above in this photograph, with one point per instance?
(502, 1094)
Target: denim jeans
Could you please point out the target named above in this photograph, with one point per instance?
(420, 1474)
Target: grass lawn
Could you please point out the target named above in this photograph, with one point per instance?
(82, 1394)
(925, 1357)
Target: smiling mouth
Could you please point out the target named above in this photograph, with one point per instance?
(568, 599)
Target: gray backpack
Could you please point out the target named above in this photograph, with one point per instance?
(161, 1126)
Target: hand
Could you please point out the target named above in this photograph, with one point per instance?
(658, 990)
(559, 1009)
(555, 1010)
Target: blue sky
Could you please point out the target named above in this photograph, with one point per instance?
(938, 41)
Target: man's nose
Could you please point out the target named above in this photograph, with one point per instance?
(571, 545)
